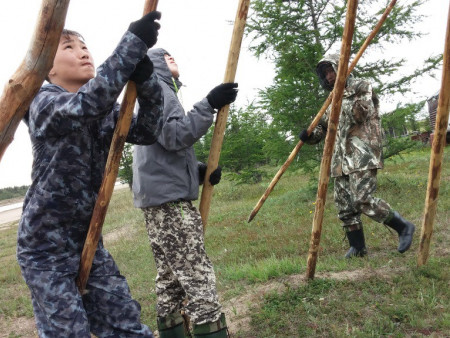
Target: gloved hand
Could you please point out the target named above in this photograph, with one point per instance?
(303, 135)
(222, 95)
(215, 176)
(146, 28)
(142, 71)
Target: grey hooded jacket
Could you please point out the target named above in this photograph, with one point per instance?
(167, 170)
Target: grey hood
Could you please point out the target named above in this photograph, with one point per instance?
(161, 69)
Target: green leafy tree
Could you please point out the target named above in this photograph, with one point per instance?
(126, 165)
(295, 34)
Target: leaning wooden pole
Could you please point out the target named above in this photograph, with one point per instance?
(322, 110)
(222, 116)
(26, 81)
(437, 150)
(325, 167)
(110, 175)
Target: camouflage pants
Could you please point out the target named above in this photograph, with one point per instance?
(107, 309)
(353, 197)
(175, 231)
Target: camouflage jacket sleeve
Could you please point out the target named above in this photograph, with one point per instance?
(64, 112)
(146, 125)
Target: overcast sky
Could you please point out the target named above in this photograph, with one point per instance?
(196, 32)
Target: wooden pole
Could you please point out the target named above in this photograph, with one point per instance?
(26, 81)
(110, 175)
(437, 150)
(221, 121)
(319, 115)
(325, 167)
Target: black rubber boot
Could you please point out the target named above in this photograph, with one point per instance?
(357, 244)
(171, 326)
(405, 230)
(217, 329)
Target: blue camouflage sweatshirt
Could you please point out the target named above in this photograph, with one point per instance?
(71, 135)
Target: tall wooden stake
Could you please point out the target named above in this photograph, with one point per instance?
(26, 81)
(437, 150)
(322, 110)
(110, 175)
(221, 121)
(325, 167)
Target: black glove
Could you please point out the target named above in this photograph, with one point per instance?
(215, 176)
(142, 71)
(303, 135)
(222, 95)
(146, 28)
(201, 172)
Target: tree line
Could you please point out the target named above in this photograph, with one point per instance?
(294, 35)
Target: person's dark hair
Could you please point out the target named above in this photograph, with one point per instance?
(67, 33)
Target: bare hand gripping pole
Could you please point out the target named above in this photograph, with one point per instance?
(316, 120)
(26, 81)
(110, 174)
(221, 121)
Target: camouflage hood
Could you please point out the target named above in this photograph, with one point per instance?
(161, 69)
(330, 59)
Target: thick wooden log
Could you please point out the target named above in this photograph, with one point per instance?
(437, 150)
(222, 116)
(322, 110)
(26, 81)
(325, 167)
(110, 175)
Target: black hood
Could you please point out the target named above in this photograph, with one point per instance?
(161, 69)
(331, 59)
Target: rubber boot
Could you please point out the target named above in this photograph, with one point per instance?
(405, 230)
(217, 329)
(171, 326)
(357, 244)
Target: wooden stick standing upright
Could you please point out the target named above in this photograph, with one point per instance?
(322, 110)
(221, 121)
(325, 167)
(437, 150)
(110, 174)
(26, 81)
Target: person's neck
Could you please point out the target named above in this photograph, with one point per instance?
(71, 87)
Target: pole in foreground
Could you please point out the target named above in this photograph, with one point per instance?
(437, 150)
(222, 116)
(325, 167)
(316, 120)
(110, 175)
(26, 81)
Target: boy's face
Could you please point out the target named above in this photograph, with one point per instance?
(173, 67)
(73, 65)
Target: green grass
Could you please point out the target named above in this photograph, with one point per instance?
(407, 301)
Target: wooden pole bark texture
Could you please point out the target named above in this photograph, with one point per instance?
(316, 120)
(325, 167)
(437, 150)
(26, 81)
(222, 116)
(110, 175)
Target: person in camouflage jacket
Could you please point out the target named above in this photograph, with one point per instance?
(356, 158)
(71, 123)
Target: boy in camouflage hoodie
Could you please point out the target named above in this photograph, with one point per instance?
(71, 122)
(356, 158)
